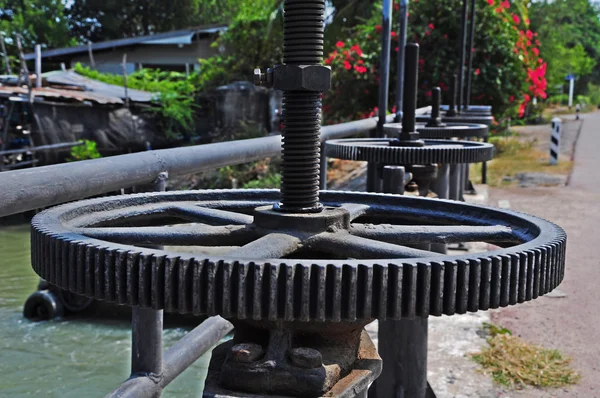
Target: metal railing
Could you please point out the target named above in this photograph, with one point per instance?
(29, 189)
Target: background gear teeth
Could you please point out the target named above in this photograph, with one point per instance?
(301, 290)
(379, 150)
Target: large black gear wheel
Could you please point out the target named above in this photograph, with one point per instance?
(382, 150)
(344, 264)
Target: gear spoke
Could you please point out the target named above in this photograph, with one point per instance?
(413, 234)
(183, 235)
(204, 214)
(274, 245)
(352, 246)
(356, 210)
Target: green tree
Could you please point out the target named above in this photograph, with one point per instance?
(37, 21)
(569, 34)
(99, 20)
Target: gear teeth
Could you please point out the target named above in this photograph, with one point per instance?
(462, 287)
(408, 291)
(485, 286)
(434, 151)
(450, 282)
(315, 291)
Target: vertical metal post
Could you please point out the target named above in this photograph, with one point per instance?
(441, 187)
(462, 182)
(484, 166)
(571, 90)
(555, 140)
(323, 168)
(147, 324)
(91, 55)
(384, 67)
(5, 55)
(38, 66)
(455, 180)
(393, 179)
(463, 45)
(404, 358)
(403, 19)
(470, 56)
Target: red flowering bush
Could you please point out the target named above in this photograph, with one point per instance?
(506, 65)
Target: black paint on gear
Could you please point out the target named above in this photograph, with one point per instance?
(303, 37)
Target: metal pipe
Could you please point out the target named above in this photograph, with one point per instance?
(470, 56)
(403, 22)
(463, 44)
(411, 80)
(393, 179)
(147, 324)
(146, 342)
(384, 65)
(461, 182)
(323, 170)
(176, 359)
(25, 190)
(455, 179)
(42, 148)
(484, 167)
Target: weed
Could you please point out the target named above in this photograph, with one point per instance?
(514, 363)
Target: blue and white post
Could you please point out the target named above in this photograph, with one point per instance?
(555, 140)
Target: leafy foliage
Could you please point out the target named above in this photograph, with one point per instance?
(570, 39)
(175, 99)
(252, 40)
(507, 71)
(37, 21)
(85, 151)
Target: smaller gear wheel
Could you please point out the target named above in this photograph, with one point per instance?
(383, 150)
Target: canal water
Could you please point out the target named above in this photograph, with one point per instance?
(69, 357)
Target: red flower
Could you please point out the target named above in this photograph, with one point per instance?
(529, 35)
(505, 4)
(490, 2)
(527, 98)
(396, 6)
(347, 65)
(396, 49)
(521, 110)
(536, 51)
(360, 69)
(339, 44)
(427, 32)
(499, 9)
(394, 34)
(431, 26)
(511, 98)
(357, 50)
(378, 28)
(477, 71)
(516, 19)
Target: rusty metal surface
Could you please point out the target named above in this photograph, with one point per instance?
(349, 363)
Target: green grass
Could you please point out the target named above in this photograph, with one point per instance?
(515, 156)
(513, 363)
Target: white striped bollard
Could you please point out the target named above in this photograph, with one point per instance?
(555, 140)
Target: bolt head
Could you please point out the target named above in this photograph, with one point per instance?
(306, 358)
(246, 353)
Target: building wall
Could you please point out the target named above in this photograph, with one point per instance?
(149, 54)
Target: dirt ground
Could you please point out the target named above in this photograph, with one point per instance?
(568, 322)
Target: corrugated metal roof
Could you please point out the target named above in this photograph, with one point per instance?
(46, 92)
(70, 78)
(110, 44)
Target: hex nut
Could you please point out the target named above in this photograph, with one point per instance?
(306, 358)
(302, 77)
(246, 353)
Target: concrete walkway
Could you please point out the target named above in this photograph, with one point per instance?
(569, 323)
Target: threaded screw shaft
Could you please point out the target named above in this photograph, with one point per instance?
(303, 37)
